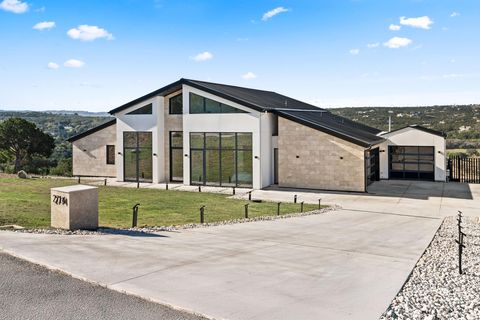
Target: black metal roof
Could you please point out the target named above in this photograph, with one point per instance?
(418, 127)
(92, 130)
(281, 105)
(338, 126)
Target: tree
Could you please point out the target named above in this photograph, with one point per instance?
(23, 140)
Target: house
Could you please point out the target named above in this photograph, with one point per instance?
(201, 133)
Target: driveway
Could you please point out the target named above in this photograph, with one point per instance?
(346, 264)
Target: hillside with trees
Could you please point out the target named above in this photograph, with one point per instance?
(61, 125)
(460, 123)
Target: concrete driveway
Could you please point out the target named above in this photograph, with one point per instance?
(347, 264)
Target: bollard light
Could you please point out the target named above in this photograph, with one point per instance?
(301, 206)
(278, 208)
(135, 215)
(246, 211)
(295, 199)
(202, 214)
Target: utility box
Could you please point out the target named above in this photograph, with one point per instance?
(74, 207)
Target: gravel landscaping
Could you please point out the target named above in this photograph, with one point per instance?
(146, 230)
(435, 289)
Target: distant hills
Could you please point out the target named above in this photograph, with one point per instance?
(458, 122)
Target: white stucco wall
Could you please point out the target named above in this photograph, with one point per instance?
(148, 123)
(414, 137)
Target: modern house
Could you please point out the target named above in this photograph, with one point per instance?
(201, 133)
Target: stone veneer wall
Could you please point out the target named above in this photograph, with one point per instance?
(319, 164)
(173, 122)
(93, 161)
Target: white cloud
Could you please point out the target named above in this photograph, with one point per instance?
(249, 75)
(74, 63)
(373, 45)
(44, 25)
(354, 52)
(394, 27)
(89, 33)
(53, 65)
(454, 14)
(203, 56)
(419, 22)
(397, 42)
(14, 6)
(273, 12)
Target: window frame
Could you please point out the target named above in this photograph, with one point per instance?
(170, 104)
(136, 112)
(222, 106)
(171, 148)
(107, 159)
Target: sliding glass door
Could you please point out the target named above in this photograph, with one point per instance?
(221, 159)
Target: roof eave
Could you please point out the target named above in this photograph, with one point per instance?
(92, 130)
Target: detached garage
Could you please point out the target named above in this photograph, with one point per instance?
(413, 153)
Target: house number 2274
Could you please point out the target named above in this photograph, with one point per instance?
(60, 200)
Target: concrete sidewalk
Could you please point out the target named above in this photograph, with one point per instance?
(339, 265)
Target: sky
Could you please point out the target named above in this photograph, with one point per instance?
(97, 55)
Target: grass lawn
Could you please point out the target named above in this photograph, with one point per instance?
(27, 203)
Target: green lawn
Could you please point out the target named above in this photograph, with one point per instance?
(27, 203)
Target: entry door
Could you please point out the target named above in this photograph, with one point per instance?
(411, 162)
(137, 155)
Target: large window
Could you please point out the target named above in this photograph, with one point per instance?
(199, 104)
(137, 156)
(176, 156)
(175, 104)
(221, 159)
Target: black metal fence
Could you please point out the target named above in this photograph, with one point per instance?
(464, 169)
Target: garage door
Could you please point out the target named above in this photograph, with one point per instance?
(407, 162)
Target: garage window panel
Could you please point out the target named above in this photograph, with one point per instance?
(411, 162)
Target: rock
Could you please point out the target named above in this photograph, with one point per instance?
(22, 174)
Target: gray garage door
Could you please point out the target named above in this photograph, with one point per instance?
(415, 163)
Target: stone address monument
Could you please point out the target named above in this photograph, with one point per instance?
(74, 207)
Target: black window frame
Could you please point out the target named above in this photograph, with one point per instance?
(170, 104)
(107, 158)
(413, 158)
(141, 110)
(235, 149)
(172, 147)
(222, 106)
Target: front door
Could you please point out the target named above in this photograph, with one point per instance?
(137, 155)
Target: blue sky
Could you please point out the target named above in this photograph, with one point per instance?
(96, 55)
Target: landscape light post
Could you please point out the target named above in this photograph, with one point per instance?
(202, 214)
(278, 208)
(135, 215)
(301, 206)
(319, 204)
(246, 211)
(295, 199)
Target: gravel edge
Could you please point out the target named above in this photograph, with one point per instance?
(153, 229)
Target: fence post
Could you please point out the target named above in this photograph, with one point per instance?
(135, 215)
(202, 214)
(246, 211)
(278, 208)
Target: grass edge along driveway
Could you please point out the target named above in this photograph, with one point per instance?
(26, 202)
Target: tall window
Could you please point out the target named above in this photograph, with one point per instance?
(221, 159)
(110, 154)
(176, 156)
(175, 104)
(199, 104)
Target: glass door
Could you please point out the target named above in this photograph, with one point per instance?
(137, 151)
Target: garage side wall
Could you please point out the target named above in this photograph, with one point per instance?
(90, 154)
(308, 158)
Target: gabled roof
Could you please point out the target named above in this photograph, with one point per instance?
(416, 126)
(92, 130)
(269, 101)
